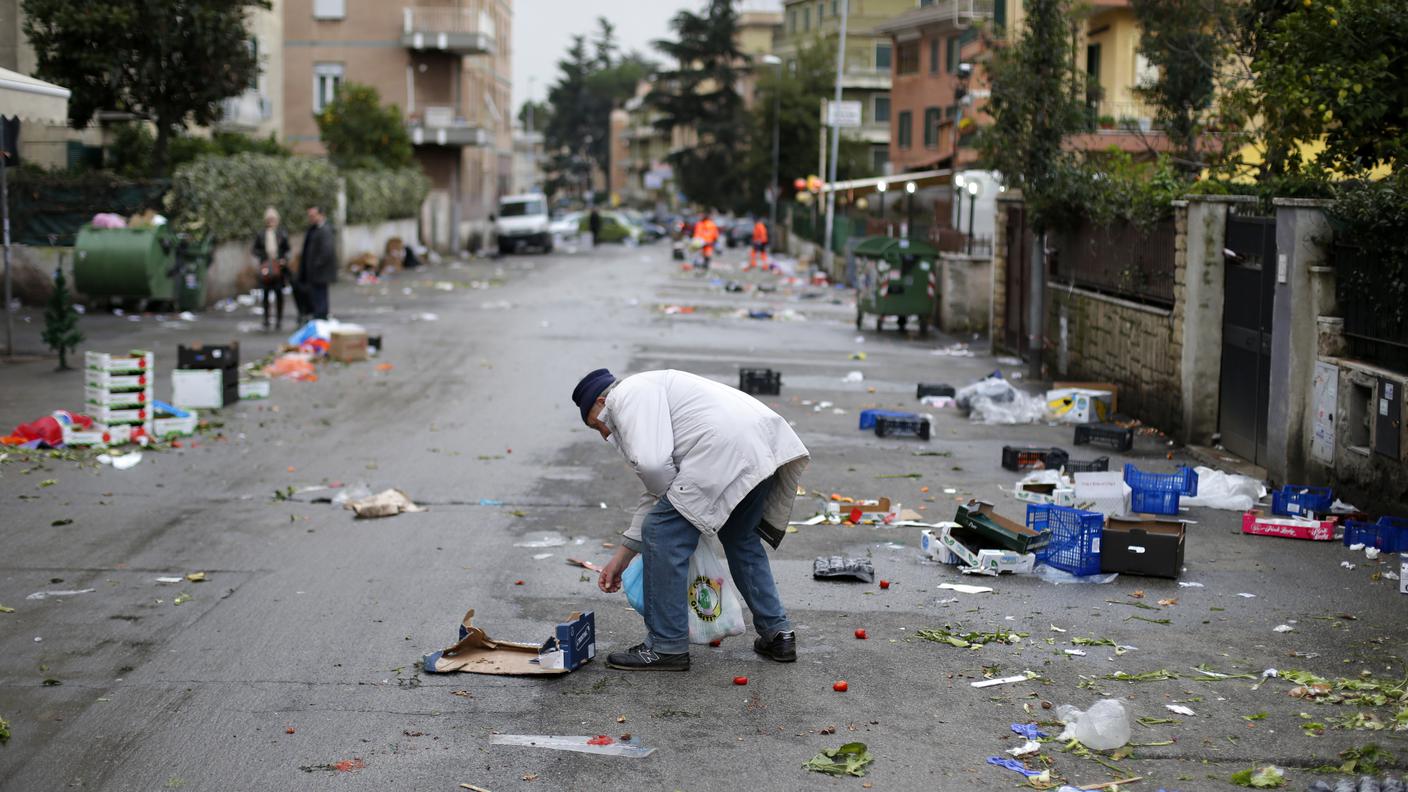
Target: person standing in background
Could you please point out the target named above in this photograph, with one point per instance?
(594, 223)
(271, 250)
(318, 264)
(760, 245)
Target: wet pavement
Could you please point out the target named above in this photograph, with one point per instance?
(300, 650)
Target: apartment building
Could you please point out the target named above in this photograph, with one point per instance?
(446, 65)
(259, 111)
(869, 58)
(939, 86)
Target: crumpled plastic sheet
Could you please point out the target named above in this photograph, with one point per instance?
(996, 401)
(1058, 576)
(1028, 730)
(1014, 765)
(1230, 491)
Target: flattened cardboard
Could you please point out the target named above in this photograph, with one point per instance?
(1153, 548)
(572, 644)
(978, 516)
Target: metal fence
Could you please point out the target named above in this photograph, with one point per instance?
(1123, 260)
(1374, 302)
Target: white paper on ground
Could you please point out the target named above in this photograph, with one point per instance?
(1179, 709)
(963, 588)
(39, 595)
(1000, 681)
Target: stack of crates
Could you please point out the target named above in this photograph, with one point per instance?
(118, 392)
(1294, 500)
(207, 375)
(760, 381)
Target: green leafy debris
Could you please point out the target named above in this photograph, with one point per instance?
(1269, 777)
(4, 609)
(1255, 716)
(1151, 621)
(970, 640)
(1147, 676)
(1156, 721)
(4, 731)
(1367, 759)
(1140, 605)
(850, 759)
(1092, 642)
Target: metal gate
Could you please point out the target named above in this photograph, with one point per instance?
(1249, 288)
(1019, 252)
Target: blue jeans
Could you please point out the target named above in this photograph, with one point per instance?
(668, 540)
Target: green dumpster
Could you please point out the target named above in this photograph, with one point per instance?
(896, 277)
(192, 262)
(125, 262)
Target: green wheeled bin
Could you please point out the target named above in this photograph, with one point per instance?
(896, 277)
(192, 262)
(125, 262)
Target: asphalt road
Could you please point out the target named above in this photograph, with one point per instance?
(300, 651)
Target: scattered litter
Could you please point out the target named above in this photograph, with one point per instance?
(1179, 709)
(1025, 749)
(1075, 652)
(963, 588)
(296, 366)
(838, 567)
(1371, 553)
(384, 504)
(550, 539)
(1268, 777)
(541, 556)
(1189, 584)
(853, 376)
(1283, 628)
(1059, 576)
(1103, 727)
(1230, 491)
(996, 401)
(39, 595)
(1347, 565)
(584, 564)
(571, 644)
(123, 461)
(600, 744)
(1016, 766)
(1003, 680)
(1028, 730)
(170, 580)
(1246, 595)
(850, 759)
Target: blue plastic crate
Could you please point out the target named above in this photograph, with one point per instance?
(1184, 482)
(867, 417)
(1389, 534)
(1143, 501)
(1075, 537)
(1294, 500)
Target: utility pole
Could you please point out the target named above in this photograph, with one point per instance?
(827, 254)
(5, 207)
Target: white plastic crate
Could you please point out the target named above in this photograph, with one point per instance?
(95, 378)
(175, 427)
(121, 415)
(137, 360)
(110, 398)
(254, 389)
(98, 435)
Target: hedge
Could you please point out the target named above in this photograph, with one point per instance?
(377, 195)
(227, 196)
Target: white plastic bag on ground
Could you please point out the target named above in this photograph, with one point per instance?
(715, 611)
(1103, 727)
(1218, 490)
(996, 401)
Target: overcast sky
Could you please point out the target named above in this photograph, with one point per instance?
(543, 29)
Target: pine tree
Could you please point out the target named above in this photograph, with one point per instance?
(61, 321)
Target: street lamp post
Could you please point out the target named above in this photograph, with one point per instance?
(958, 183)
(974, 189)
(774, 187)
(909, 188)
(881, 188)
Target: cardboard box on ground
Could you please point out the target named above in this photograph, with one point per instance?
(571, 644)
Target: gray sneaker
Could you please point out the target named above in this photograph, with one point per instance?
(641, 658)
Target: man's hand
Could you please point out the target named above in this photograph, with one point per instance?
(610, 578)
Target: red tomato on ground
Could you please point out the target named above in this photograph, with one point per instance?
(840, 687)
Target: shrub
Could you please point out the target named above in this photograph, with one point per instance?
(130, 153)
(377, 195)
(226, 196)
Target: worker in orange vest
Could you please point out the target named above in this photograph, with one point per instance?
(760, 245)
(708, 234)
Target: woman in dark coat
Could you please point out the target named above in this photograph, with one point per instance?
(271, 251)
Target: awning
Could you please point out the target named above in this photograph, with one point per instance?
(895, 181)
(32, 99)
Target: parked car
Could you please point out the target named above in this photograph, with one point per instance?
(565, 225)
(740, 234)
(615, 227)
(523, 221)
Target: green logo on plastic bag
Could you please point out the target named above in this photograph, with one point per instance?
(705, 597)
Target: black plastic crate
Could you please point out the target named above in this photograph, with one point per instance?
(208, 356)
(1118, 438)
(1018, 458)
(891, 426)
(760, 382)
(1096, 465)
(926, 389)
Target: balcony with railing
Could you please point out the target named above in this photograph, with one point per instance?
(244, 113)
(461, 29)
(441, 126)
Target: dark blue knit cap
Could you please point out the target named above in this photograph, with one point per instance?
(591, 386)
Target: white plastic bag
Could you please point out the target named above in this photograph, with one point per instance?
(1218, 490)
(1103, 727)
(715, 611)
(997, 401)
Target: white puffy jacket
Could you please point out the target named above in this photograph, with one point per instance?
(705, 446)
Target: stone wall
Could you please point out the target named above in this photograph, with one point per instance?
(1099, 338)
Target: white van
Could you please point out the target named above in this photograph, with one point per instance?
(523, 221)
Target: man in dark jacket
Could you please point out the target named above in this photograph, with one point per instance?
(318, 264)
